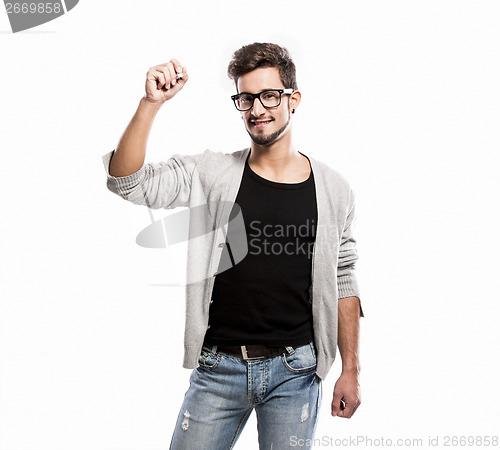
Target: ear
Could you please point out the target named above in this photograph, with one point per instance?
(295, 98)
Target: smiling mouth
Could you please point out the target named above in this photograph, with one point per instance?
(261, 123)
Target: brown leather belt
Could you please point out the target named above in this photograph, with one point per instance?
(252, 351)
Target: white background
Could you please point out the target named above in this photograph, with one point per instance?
(401, 97)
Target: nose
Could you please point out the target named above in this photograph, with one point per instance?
(257, 108)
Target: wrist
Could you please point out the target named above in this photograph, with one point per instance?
(149, 105)
(351, 370)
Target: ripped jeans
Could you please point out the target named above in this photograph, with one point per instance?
(284, 390)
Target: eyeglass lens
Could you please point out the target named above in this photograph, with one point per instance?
(270, 99)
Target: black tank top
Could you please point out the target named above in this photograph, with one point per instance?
(265, 298)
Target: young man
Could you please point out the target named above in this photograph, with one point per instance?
(271, 283)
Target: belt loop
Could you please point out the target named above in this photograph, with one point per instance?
(290, 350)
(214, 348)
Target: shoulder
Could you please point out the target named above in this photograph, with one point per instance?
(224, 156)
(213, 159)
(206, 160)
(332, 177)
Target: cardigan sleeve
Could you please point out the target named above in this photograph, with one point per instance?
(347, 282)
(156, 185)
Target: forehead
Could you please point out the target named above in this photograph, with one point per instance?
(260, 79)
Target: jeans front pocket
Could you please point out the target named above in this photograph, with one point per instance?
(209, 360)
(302, 359)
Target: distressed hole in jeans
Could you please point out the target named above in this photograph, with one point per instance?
(305, 413)
(185, 422)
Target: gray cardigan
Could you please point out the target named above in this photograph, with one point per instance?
(208, 184)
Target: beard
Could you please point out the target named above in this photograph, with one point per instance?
(270, 138)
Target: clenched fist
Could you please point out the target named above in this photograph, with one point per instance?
(162, 82)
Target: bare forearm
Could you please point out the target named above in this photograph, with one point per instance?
(131, 151)
(348, 334)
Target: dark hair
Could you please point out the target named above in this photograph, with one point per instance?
(257, 55)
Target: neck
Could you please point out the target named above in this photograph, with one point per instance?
(275, 156)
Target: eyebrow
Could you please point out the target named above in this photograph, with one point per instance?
(263, 90)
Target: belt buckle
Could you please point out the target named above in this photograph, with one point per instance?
(245, 354)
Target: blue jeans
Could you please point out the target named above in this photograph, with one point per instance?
(284, 390)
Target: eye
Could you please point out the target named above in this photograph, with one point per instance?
(270, 95)
(244, 98)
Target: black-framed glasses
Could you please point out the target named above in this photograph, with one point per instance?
(270, 98)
